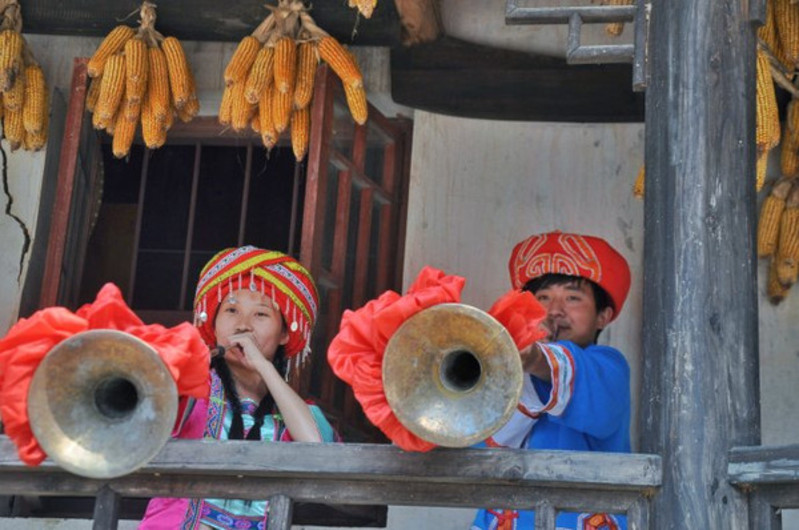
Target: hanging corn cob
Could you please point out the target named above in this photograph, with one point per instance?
(768, 226)
(616, 28)
(767, 134)
(787, 258)
(364, 7)
(269, 79)
(139, 76)
(25, 106)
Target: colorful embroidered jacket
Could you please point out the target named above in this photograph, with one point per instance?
(586, 407)
(211, 420)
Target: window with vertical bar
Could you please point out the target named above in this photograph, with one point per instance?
(163, 214)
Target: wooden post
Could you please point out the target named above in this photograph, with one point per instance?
(700, 298)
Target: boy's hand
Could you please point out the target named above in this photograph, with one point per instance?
(533, 362)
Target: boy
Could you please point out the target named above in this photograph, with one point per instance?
(577, 394)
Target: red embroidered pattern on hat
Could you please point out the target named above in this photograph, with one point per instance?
(572, 255)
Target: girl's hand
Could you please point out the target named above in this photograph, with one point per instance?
(247, 349)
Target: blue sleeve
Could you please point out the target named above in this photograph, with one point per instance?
(600, 398)
(325, 429)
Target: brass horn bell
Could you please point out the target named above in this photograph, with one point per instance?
(452, 375)
(102, 403)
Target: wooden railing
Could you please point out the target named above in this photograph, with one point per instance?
(770, 476)
(352, 474)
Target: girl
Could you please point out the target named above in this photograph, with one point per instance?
(255, 309)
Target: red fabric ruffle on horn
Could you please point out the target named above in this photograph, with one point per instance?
(29, 340)
(356, 352)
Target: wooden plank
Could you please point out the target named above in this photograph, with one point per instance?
(106, 509)
(764, 465)
(205, 20)
(469, 80)
(66, 178)
(362, 247)
(700, 335)
(280, 512)
(367, 491)
(574, 469)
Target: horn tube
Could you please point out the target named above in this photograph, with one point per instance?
(452, 375)
(102, 403)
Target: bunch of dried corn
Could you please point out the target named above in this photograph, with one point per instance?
(138, 75)
(616, 28)
(364, 7)
(269, 80)
(25, 109)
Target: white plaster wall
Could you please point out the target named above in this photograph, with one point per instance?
(478, 187)
(483, 22)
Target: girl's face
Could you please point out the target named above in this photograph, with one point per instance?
(251, 312)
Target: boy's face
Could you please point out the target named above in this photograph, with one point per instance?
(571, 312)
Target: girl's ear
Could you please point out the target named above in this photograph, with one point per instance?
(284, 337)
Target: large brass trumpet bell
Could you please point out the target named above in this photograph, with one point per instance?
(102, 403)
(452, 375)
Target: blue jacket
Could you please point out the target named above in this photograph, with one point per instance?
(585, 407)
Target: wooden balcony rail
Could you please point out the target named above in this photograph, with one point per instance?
(771, 477)
(546, 481)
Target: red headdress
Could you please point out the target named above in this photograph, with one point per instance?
(273, 274)
(573, 254)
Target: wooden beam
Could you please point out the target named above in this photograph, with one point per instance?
(458, 78)
(205, 20)
(700, 330)
(764, 465)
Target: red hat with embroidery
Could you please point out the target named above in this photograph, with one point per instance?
(273, 274)
(575, 255)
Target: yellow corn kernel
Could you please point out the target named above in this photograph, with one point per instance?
(241, 109)
(112, 88)
(35, 106)
(640, 181)
(761, 167)
(307, 62)
(767, 134)
(768, 225)
(616, 28)
(340, 60)
(180, 77)
(285, 65)
(13, 128)
(242, 60)
(136, 69)
(189, 110)
(260, 74)
(356, 101)
(300, 132)
(281, 109)
(113, 43)
(255, 123)
(269, 134)
(226, 105)
(153, 132)
(93, 94)
(786, 18)
(776, 291)
(13, 99)
(124, 132)
(365, 7)
(788, 241)
(10, 58)
(2, 107)
(158, 84)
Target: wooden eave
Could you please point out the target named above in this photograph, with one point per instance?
(205, 20)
